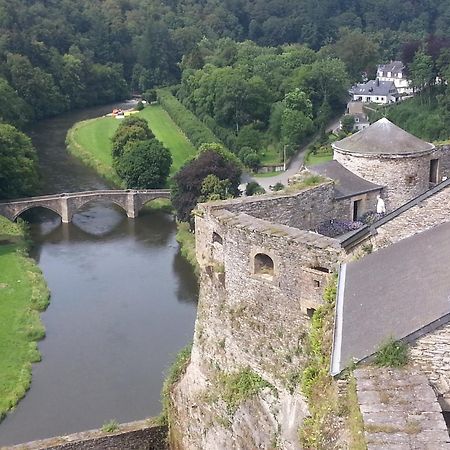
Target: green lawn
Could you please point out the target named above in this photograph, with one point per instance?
(270, 156)
(91, 140)
(166, 131)
(314, 160)
(23, 294)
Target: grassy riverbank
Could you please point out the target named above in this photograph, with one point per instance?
(90, 141)
(23, 294)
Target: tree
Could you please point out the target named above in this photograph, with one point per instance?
(132, 128)
(347, 123)
(250, 157)
(187, 187)
(18, 164)
(145, 164)
(421, 70)
(214, 189)
(13, 109)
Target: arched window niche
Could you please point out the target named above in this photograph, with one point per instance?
(216, 237)
(263, 266)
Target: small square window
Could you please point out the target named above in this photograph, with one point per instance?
(316, 283)
(310, 312)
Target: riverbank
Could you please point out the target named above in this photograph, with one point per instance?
(24, 295)
(90, 141)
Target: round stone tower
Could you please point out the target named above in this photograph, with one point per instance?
(387, 155)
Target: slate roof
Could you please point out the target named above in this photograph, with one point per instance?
(394, 67)
(402, 291)
(383, 138)
(375, 88)
(347, 184)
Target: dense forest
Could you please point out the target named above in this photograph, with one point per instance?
(260, 74)
(61, 54)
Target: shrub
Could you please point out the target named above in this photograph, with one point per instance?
(149, 96)
(278, 187)
(111, 426)
(139, 106)
(254, 188)
(370, 217)
(392, 353)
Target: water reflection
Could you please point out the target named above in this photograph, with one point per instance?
(123, 304)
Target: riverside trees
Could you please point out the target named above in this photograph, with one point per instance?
(138, 158)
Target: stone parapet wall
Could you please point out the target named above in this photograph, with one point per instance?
(431, 353)
(140, 435)
(304, 209)
(404, 177)
(427, 214)
(443, 153)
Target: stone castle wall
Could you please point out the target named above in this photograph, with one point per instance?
(304, 210)
(427, 214)
(431, 353)
(131, 436)
(403, 177)
(443, 153)
(248, 318)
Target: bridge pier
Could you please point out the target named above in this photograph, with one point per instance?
(66, 217)
(132, 212)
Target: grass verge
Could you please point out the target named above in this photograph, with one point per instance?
(90, 141)
(186, 239)
(23, 295)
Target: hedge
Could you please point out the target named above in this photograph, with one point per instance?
(195, 130)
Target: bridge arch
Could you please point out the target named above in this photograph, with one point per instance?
(29, 207)
(140, 204)
(79, 203)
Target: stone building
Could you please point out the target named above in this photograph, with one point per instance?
(386, 155)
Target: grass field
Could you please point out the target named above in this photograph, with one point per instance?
(166, 131)
(313, 160)
(91, 140)
(23, 293)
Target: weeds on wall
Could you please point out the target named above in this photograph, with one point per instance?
(110, 426)
(392, 353)
(176, 371)
(328, 409)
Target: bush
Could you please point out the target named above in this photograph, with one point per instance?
(110, 426)
(278, 187)
(392, 354)
(149, 96)
(370, 217)
(139, 106)
(195, 130)
(254, 188)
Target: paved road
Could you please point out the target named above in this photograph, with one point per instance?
(293, 168)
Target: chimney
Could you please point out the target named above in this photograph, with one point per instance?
(378, 82)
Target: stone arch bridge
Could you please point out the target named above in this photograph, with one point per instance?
(67, 204)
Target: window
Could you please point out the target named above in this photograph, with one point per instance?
(356, 209)
(310, 312)
(434, 166)
(216, 237)
(263, 265)
(321, 269)
(316, 283)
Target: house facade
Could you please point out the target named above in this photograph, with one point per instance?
(375, 91)
(395, 72)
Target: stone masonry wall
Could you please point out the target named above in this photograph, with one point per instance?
(248, 319)
(404, 177)
(431, 353)
(431, 212)
(140, 435)
(443, 153)
(304, 210)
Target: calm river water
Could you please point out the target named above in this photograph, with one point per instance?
(123, 303)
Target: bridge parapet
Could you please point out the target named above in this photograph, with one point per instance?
(67, 204)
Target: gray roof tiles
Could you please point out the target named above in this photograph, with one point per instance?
(383, 138)
(347, 184)
(394, 292)
(375, 88)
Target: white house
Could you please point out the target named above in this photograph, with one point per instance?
(395, 72)
(375, 91)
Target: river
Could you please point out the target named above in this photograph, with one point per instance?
(123, 303)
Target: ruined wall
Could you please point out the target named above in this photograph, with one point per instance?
(429, 213)
(250, 319)
(431, 353)
(304, 209)
(405, 177)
